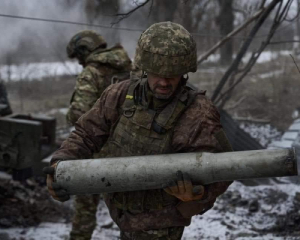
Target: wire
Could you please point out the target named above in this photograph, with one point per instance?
(122, 28)
(70, 22)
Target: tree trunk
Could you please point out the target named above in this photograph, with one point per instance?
(97, 11)
(164, 10)
(225, 21)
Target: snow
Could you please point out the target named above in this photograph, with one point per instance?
(290, 136)
(4, 175)
(263, 133)
(295, 126)
(45, 231)
(264, 57)
(39, 70)
(236, 221)
(281, 144)
(271, 74)
(229, 219)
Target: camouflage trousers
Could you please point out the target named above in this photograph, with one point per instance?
(172, 233)
(84, 220)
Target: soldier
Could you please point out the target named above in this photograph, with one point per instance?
(102, 66)
(154, 114)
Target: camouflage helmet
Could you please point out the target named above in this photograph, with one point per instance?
(166, 49)
(84, 42)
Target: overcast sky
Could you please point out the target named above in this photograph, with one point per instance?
(42, 36)
(49, 39)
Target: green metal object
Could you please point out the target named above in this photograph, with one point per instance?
(25, 140)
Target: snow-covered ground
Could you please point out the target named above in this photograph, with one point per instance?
(260, 210)
(264, 57)
(53, 69)
(263, 133)
(243, 212)
(39, 70)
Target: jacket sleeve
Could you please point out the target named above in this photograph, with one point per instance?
(207, 140)
(196, 129)
(91, 131)
(85, 95)
(201, 126)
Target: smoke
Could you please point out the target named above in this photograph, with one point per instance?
(24, 41)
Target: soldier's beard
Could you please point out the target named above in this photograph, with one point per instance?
(161, 95)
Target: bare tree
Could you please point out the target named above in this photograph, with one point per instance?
(164, 10)
(121, 16)
(234, 75)
(225, 21)
(101, 11)
(225, 39)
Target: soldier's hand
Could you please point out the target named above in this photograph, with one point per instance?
(55, 190)
(183, 188)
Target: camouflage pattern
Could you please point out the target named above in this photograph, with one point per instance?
(102, 67)
(166, 49)
(133, 136)
(136, 73)
(84, 221)
(144, 131)
(82, 41)
(194, 132)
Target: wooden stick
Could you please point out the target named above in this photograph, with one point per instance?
(295, 62)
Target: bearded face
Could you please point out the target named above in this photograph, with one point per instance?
(163, 88)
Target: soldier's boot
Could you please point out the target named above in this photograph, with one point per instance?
(172, 233)
(84, 220)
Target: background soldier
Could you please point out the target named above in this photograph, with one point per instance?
(102, 67)
(156, 114)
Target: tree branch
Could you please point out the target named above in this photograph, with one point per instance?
(262, 4)
(227, 38)
(244, 48)
(296, 16)
(278, 19)
(295, 62)
(126, 15)
(150, 10)
(243, 12)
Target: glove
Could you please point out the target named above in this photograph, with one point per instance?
(183, 188)
(55, 190)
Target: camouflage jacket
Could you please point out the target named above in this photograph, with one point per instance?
(194, 132)
(103, 67)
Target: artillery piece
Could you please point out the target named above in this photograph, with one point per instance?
(24, 141)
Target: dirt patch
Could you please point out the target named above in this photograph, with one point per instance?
(28, 204)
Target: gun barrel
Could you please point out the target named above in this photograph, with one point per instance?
(122, 174)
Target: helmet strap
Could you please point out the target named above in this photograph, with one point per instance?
(184, 79)
(144, 74)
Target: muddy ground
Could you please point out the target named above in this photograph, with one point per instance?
(250, 210)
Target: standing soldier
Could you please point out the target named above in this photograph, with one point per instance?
(154, 114)
(102, 67)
